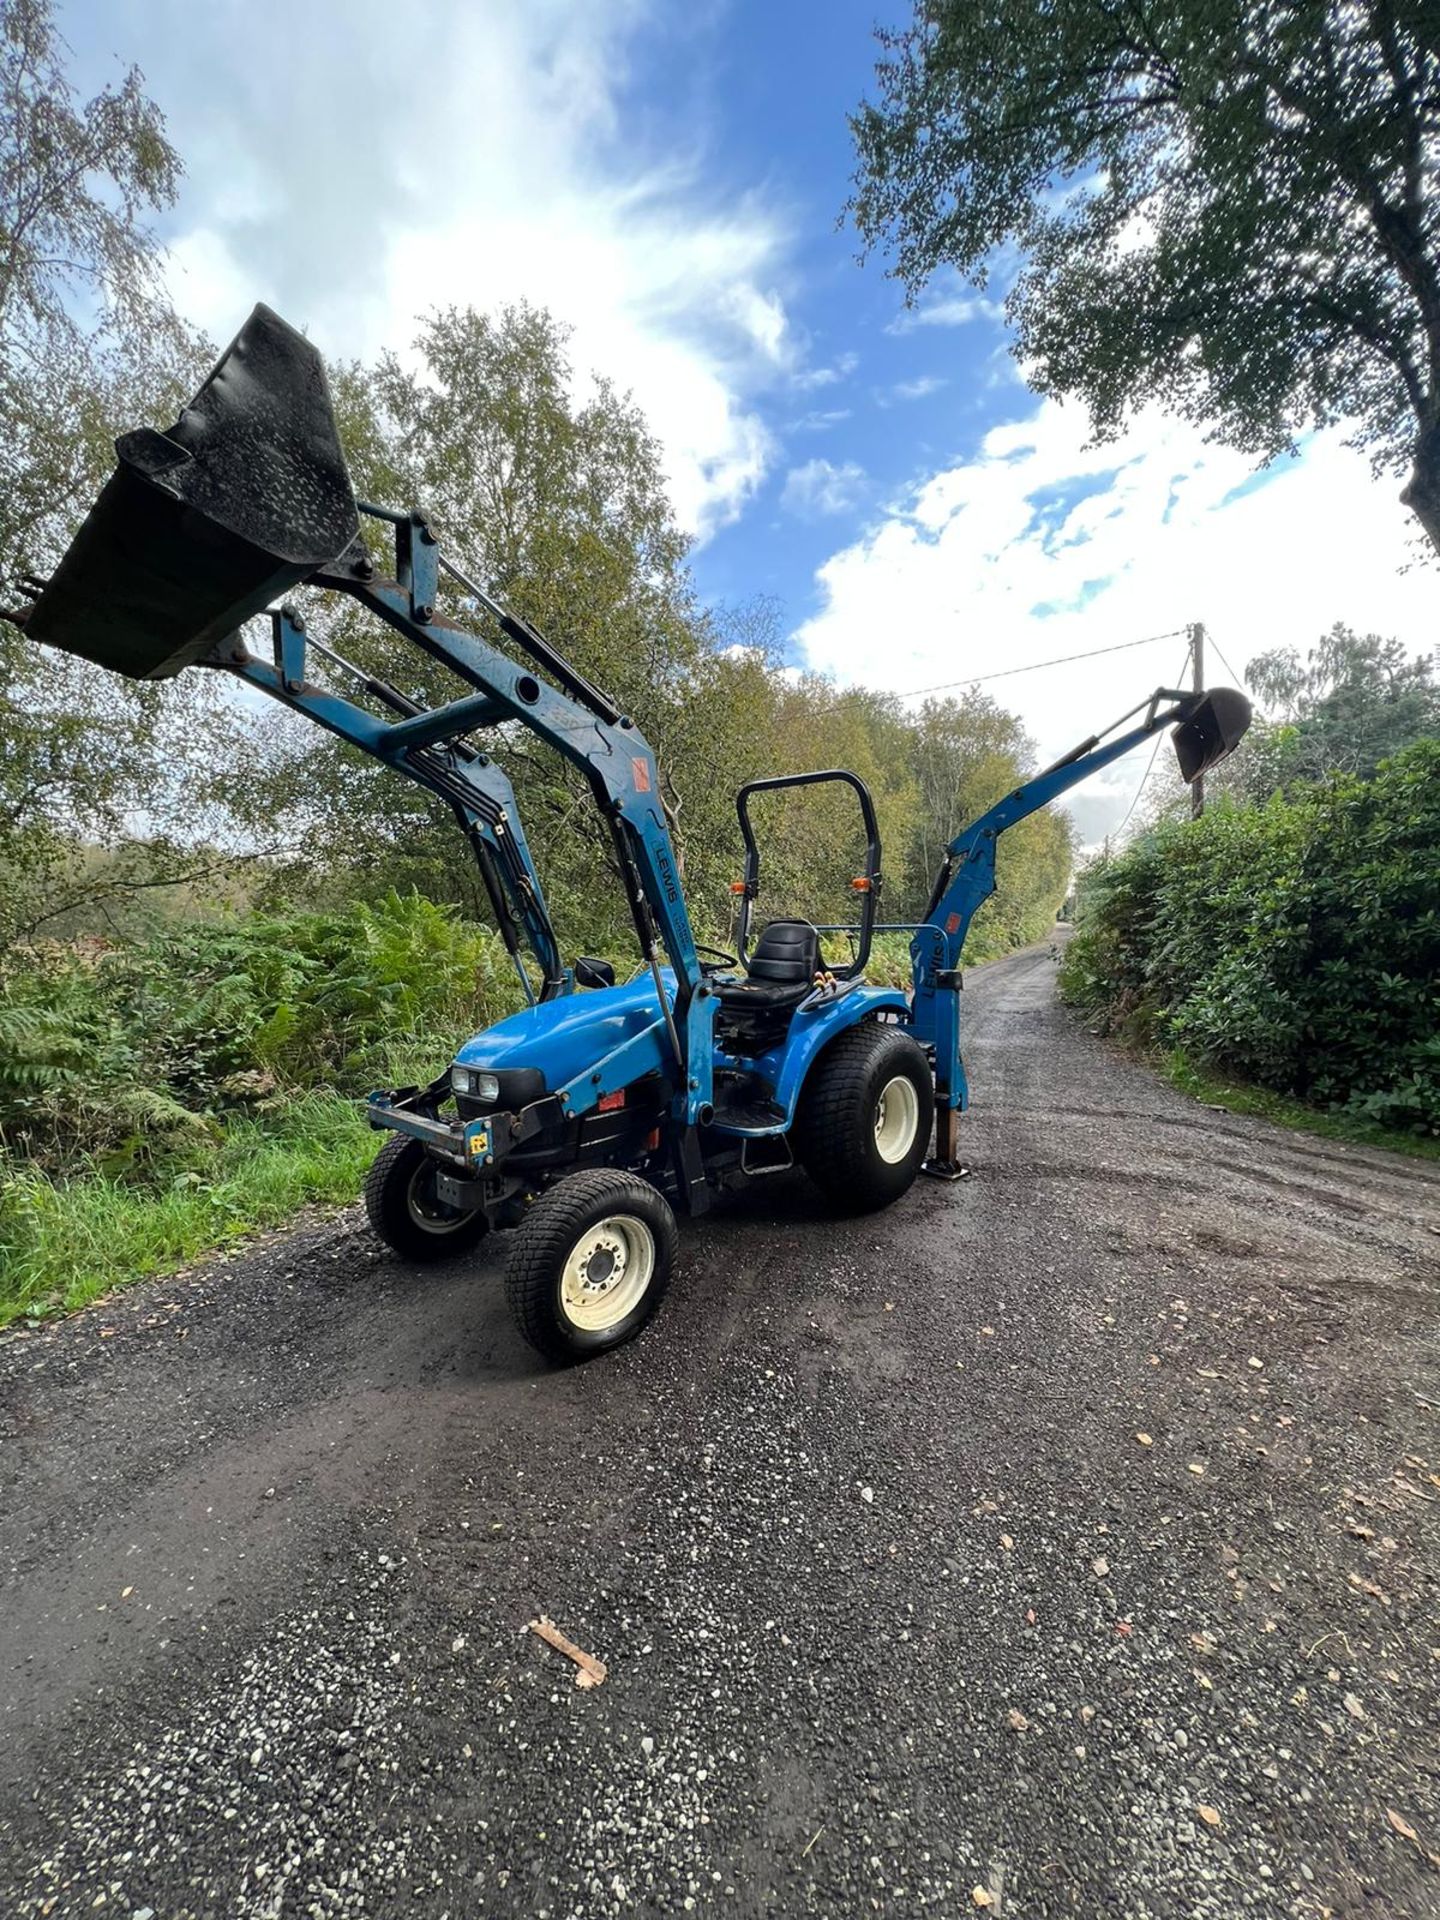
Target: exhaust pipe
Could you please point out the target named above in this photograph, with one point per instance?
(200, 528)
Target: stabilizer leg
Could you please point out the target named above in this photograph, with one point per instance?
(946, 1164)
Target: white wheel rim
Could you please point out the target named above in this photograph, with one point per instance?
(607, 1273)
(897, 1119)
(425, 1207)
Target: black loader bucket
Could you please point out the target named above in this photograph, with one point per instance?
(201, 527)
(1215, 728)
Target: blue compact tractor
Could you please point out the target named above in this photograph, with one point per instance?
(586, 1122)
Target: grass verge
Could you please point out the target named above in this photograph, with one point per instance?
(1240, 1097)
(63, 1243)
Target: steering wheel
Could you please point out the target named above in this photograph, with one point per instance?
(716, 955)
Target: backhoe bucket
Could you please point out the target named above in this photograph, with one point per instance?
(201, 527)
(1215, 728)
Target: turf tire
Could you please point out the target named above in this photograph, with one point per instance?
(838, 1140)
(558, 1226)
(397, 1201)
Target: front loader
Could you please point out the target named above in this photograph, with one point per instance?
(588, 1120)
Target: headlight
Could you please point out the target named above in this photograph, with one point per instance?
(484, 1087)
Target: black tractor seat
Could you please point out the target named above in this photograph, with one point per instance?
(780, 971)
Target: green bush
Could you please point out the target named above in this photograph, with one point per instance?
(133, 1061)
(1296, 944)
(160, 1099)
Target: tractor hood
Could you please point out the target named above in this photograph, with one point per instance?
(568, 1036)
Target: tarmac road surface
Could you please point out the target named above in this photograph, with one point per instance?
(1058, 1543)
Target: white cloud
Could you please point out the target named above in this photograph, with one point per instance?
(947, 310)
(493, 172)
(822, 419)
(808, 378)
(950, 300)
(927, 383)
(821, 488)
(1000, 562)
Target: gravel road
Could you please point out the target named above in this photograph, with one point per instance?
(1062, 1542)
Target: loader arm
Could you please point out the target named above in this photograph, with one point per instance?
(430, 747)
(204, 527)
(582, 725)
(476, 789)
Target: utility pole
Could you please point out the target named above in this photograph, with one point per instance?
(1197, 681)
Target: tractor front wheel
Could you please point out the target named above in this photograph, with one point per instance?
(865, 1117)
(406, 1210)
(590, 1263)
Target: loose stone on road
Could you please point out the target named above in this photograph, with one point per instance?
(1056, 1543)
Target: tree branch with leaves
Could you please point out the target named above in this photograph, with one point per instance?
(1229, 209)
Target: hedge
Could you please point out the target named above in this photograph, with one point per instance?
(1296, 944)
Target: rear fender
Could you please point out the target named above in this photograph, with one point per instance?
(810, 1033)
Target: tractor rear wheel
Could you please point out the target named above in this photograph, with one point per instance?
(865, 1116)
(407, 1212)
(590, 1263)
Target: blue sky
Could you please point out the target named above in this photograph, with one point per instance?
(868, 406)
(668, 178)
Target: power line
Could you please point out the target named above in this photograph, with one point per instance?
(1150, 764)
(1135, 798)
(1035, 666)
(1234, 677)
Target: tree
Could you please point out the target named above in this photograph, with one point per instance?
(1356, 700)
(553, 494)
(87, 342)
(80, 277)
(965, 755)
(1228, 207)
(76, 183)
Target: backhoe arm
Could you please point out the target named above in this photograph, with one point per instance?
(1207, 727)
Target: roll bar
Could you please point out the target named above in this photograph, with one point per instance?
(869, 892)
